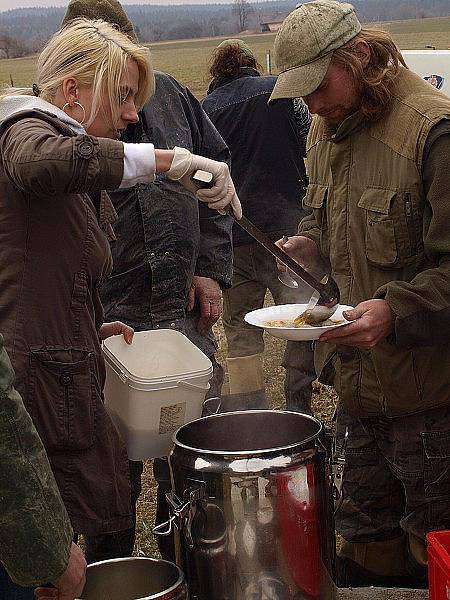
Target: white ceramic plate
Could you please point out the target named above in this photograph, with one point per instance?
(260, 317)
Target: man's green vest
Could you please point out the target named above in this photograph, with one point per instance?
(370, 218)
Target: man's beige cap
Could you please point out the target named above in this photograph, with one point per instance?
(305, 42)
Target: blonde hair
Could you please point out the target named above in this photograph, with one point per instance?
(375, 81)
(96, 54)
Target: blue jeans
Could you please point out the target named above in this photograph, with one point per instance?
(11, 591)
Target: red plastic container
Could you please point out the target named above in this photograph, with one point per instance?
(439, 565)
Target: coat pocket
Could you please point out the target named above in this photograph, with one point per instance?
(436, 463)
(392, 228)
(63, 395)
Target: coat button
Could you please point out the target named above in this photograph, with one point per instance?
(66, 379)
(85, 149)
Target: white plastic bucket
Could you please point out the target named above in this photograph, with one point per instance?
(153, 387)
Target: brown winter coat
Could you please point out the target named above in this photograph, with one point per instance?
(54, 255)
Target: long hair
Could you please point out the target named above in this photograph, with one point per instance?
(96, 54)
(375, 81)
(227, 61)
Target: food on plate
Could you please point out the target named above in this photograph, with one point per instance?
(300, 321)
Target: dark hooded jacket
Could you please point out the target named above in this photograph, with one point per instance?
(54, 255)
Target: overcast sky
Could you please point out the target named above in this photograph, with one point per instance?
(8, 4)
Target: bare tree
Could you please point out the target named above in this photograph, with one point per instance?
(242, 10)
(11, 47)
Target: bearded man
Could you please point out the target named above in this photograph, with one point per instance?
(378, 153)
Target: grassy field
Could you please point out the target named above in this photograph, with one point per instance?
(187, 60)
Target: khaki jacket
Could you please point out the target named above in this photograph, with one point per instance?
(385, 238)
(54, 255)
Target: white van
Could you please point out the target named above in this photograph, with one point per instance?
(432, 65)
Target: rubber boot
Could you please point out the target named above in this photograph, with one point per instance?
(246, 384)
(250, 401)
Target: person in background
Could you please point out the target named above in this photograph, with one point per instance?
(59, 151)
(267, 147)
(379, 189)
(35, 533)
(172, 256)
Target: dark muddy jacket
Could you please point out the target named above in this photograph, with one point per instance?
(164, 235)
(35, 532)
(267, 147)
(54, 255)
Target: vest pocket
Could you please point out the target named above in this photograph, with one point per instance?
(381, 247)
(393, 227)
(62, 394)
(316, 200)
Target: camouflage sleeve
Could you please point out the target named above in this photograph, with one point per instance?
(35, 532)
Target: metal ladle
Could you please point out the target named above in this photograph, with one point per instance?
(319, 308)
(284, 276)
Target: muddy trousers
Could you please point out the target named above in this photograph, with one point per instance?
(255, 273)
(396, 489)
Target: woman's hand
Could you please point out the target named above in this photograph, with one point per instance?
(220, 195)
(71, 583)
(116, 328)
(372, 322)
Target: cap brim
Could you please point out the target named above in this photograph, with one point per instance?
(301, 81)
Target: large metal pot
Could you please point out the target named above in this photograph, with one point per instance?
(252, 503)
(134, 579)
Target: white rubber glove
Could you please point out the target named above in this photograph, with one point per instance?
(220, 195)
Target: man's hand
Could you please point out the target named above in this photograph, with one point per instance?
(71, 583)
(116, 328)
(208, 294)
(373, 321)
(305, 252)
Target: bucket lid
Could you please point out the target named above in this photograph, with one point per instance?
(161, 356)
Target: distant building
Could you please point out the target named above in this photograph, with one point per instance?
(271, 26)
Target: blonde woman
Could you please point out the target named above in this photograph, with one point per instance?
(59, 151)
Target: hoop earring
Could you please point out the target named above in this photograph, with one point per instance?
(83, 120)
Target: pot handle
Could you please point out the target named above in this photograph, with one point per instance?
(182, 513)
(216, 403)
(336, 461)
(337, 470)
(165, 528)
(192, 386)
